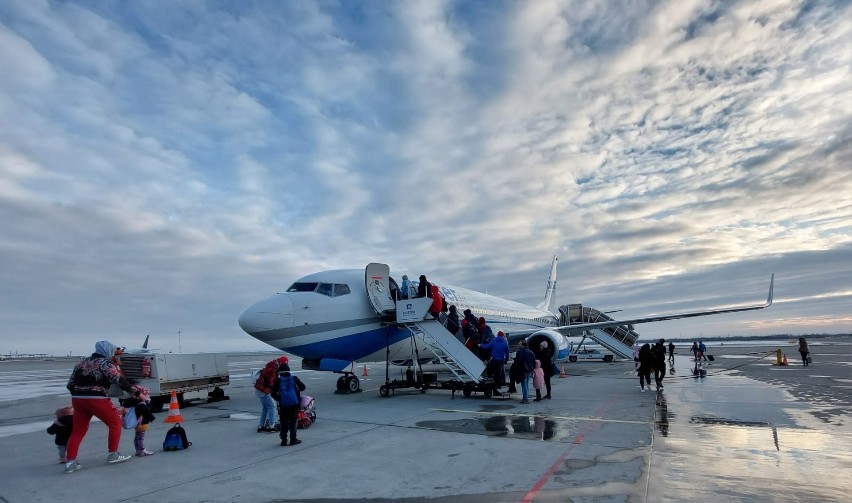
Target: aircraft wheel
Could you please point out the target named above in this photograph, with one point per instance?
(384, 391)
(353, 384)
(572, 358)
(467, 392)
(341, 383)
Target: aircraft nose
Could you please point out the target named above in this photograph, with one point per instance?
(272, 313)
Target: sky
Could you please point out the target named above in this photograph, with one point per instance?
(163, 165)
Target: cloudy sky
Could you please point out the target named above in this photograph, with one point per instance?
(165, 164)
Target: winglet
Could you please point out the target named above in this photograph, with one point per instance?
(771, 288)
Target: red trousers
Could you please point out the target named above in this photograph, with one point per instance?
(84, 409)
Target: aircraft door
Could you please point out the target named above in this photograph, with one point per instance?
(377, 281)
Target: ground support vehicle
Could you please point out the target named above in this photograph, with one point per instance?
(429, 380)
(589, 354)
(187, 374)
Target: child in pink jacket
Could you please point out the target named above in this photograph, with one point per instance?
(538, 380)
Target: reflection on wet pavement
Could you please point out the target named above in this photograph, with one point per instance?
(738, 439)
(662, 415)
(515, 426)
(720, 437)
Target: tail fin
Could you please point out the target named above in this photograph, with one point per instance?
(145, 344)
(550, 293)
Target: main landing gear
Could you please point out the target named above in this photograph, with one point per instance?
(348, 383)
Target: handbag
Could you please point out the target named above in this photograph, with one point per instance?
(130, 419)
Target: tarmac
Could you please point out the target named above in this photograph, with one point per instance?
(746, 431)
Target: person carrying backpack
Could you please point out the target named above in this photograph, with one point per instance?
(498, 348)
(288, 392)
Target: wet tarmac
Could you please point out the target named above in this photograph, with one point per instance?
(746, 431)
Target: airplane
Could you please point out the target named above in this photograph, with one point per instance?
(333, 319)
(134, 351)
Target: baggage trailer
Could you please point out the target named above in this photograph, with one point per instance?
(429, 380)
(182, 373)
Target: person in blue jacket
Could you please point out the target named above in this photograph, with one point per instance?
(287, 390)
(405, 288)
(499, 349)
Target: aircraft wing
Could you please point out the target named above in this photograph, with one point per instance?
(579, 328)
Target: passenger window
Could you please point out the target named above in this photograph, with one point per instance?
(325, 289)
(302, 287)
(341, 289)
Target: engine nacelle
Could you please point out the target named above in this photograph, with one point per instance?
(556, 340)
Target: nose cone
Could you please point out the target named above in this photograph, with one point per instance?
(273, 314)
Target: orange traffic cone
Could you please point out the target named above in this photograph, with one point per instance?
(174, 410)
(785, 361)
(562, 372)
(364, 372)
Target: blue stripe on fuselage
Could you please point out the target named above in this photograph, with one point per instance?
(352, 347)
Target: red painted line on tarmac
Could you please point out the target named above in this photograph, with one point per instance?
(590, 427)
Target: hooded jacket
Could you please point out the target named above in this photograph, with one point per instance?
(93, 376)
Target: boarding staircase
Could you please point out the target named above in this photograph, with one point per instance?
(619, 340)
(460, 361)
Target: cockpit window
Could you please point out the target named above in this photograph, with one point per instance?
(302, 287)
(327, 289)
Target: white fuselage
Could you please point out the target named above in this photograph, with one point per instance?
(346, 328)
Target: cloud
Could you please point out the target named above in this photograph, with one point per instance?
(159, 170)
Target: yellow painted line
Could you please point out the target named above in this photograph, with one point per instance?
(570, 418)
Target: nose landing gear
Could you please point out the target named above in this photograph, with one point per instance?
(348, 383)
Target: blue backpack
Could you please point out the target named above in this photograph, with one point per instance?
(287, 391)
(176, 439)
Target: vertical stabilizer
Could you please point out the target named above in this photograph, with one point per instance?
(550, 293)
(145, 344)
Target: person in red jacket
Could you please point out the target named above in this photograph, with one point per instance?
(437, 302)
(262, 388)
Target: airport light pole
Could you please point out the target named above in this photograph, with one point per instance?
(179, 341)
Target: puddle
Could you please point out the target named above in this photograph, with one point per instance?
(22, 428)
(239, 416)
(524, 427)
(727, 422)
